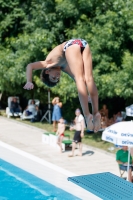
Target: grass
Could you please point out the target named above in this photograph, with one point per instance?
(93, 140)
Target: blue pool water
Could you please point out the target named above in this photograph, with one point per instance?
(17, 184)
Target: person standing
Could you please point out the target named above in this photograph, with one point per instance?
(79, 132)
(56, 115)
(60, 132)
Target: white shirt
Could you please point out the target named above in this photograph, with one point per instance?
(78, 121)
(32, 109)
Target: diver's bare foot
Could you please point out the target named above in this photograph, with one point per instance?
(97, 122)
(89, 122)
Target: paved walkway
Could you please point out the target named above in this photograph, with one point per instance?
(29, 139)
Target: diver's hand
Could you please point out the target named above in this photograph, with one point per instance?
(29, 86)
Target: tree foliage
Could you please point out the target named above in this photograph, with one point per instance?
(30, 29)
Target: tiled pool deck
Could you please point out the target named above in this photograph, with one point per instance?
(29, 139)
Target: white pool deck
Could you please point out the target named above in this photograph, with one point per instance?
(21, 145)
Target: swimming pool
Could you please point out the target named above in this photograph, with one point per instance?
(17, 184)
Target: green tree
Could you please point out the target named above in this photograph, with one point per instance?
(30, 29)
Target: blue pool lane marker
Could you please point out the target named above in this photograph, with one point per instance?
(105, 185)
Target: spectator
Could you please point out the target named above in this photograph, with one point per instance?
(122, 159)
(110, 121)
(119, 117)
(60, 132)
(79, 133)
(103, 121)
(15, 108)
(104, 111)
(0, 99)
(31, 109)
(37, 115)
(56, 115)
(114, 118)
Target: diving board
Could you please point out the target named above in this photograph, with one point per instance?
(106, 185)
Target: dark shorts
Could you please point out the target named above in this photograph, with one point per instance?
(124, 168)
(82, 43)
(77, 138)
